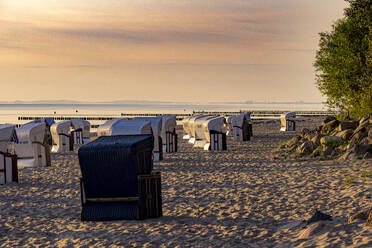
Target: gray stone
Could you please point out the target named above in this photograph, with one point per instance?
(366, 141)
(351, 146)
(328, 119)
(358, 136)
(328, 151)
(304, 132)
(329, 126)
(317, 151)
(306, 148)
(346, 134)
(334, 132)
(293, 141)
(348, 155)
(362, 149)
(368, 155)
(364, 127)
(316, 139)
(328, 140)
(318, 130)
(347, 124)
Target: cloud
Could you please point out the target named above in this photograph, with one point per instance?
(295, 50)
(142, 36)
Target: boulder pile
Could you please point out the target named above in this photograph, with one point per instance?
(346, 139)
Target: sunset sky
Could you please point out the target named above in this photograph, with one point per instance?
(162, 50)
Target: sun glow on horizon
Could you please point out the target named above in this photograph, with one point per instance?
(168, 50)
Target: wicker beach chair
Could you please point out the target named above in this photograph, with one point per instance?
(32, 148)
(169, 134)
(8, 161)
(117, 179)
(288, 121)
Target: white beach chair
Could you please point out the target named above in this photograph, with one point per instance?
(211, 133)
(32, 148)
(61, 136)
(156, 126)
(288, 122)
(80, 133)
(8, 161)
(168, 133)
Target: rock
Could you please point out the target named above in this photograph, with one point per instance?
(351, 146)
(293, 141)
(309, 136)
(328, 151)
(316, 139)
(306, 148)
(304, 132)
(368, 155)
(348, 155)
(333, 132)
(347, 124)
(357, 137)
(318, 130)
(346, 134)
(312, 229)
(361, 215)
(366, 141)
(369, 220)
(317, 216)
(328, 119)
(330, 141)
(364, 127)
(370, 133)
(364, 119)
(363, 149)
(329, 126)
(317, 151)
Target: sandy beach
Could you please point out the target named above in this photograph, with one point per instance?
(243, 197)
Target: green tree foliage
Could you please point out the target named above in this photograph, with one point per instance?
(344, 61)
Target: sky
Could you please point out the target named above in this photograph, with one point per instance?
(162, 50)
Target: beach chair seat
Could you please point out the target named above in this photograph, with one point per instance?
(117, 179)
(217, 141)
(147, 205)
(80, 132)
(171, 142)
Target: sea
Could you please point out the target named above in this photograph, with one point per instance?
(11, 113)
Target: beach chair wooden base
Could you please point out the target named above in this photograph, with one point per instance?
(147, 205)
(8, 168)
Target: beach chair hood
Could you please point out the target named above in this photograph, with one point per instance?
(110, 165)
(7, 135)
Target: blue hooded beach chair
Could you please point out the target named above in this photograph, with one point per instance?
(117, 180)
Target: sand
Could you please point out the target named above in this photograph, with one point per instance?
(242, 197)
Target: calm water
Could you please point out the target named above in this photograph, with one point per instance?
(9, 113)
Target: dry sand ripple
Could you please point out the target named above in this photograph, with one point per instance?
(242, 197)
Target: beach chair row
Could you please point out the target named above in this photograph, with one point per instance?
(209, 132)
(32, 143)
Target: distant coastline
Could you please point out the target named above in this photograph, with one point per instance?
(144, 102)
